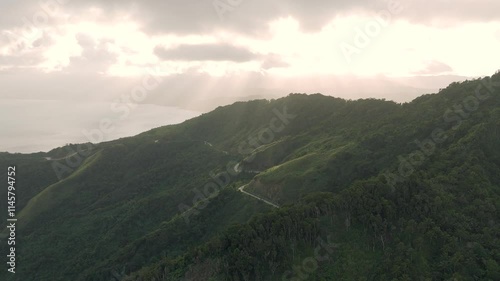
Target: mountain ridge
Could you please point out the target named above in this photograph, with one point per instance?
(168, 198)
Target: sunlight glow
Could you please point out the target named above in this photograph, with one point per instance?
(398, 48)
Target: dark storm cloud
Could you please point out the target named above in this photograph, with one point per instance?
(205, 52)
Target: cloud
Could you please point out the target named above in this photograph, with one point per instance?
(249, 17)
(95, 56)
(44, 41)
(451, 13)
(435, 68)
(245, 16)
(19, 60)
(205, 52)
(274, 61)
(24, 54)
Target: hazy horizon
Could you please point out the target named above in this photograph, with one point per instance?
(187, 58)
(51, 131)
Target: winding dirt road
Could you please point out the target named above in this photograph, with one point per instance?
(241, 189)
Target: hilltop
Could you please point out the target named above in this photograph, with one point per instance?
(383, 190)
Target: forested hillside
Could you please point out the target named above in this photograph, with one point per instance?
(367, 190)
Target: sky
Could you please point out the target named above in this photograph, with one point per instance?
(67, 65)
